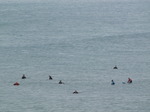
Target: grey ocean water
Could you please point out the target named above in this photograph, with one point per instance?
(78, 42)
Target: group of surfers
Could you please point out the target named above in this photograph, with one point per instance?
(129, 81)
(50, 78)
(76, 92)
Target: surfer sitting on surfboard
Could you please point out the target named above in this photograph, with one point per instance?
(129, 80)
(75, 92)
(115, 67)
(112, 82)
(23, 77)
(50, 78)
(60, 82)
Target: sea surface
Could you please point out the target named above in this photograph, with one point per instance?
(78, 42)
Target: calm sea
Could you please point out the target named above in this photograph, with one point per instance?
(78, 42)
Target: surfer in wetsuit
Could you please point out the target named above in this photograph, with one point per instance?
(60, 82)
(50, 78)
(129, 80)
(23, 77)
(115, 67)
(112, 82)
(75, 92)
